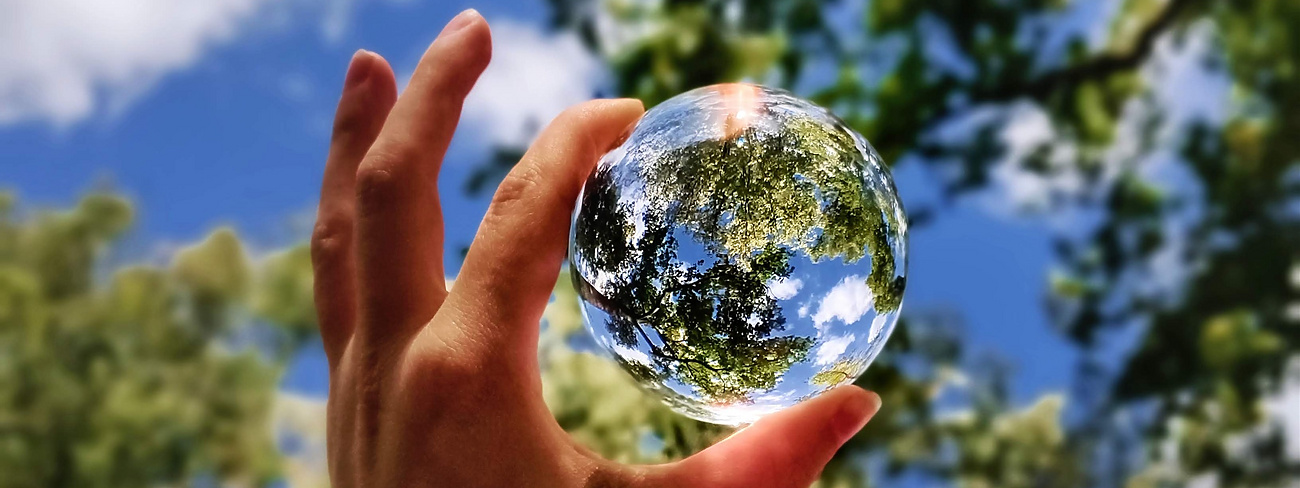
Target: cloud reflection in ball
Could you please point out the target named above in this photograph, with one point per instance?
(742, 251)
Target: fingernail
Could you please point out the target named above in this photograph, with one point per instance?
(461, 21)
(358, 68)
(855, 413)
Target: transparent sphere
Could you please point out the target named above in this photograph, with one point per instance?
(741, 252)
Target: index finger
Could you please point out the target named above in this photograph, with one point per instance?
(511, 266)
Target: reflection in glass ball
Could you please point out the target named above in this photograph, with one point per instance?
(742, 251)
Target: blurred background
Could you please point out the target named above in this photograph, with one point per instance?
(1104, 280)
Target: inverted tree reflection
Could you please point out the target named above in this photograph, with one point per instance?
(709, 324)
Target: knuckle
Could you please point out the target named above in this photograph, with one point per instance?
(376, 180)
(516, 192)
(449, 376)
(330, 238)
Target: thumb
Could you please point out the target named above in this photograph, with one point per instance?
(786, 449)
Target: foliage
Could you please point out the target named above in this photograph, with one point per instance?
(791, 186)
(713, 322)
(131, 376)
(596, 401)
(138, 376)
(1216, 340)
(142, 375)
(813, 204)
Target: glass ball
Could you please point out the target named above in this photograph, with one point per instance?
(742, 251)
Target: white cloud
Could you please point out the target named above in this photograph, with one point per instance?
(831, 349)
(533, 77)
(335, 16)
(848, 301)
(297, 87)
(64, 60)
(784, 288)
(67, 60)
(1027, 128)
(631, 354)
(336, 19)
(878, 326)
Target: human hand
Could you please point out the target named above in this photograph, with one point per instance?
(437, 388)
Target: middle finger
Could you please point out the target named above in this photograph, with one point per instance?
(399, 227)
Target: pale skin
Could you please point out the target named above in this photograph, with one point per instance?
(430, 387)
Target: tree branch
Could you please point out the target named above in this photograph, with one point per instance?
(663, 352)
(1096, 68)
(606, 304)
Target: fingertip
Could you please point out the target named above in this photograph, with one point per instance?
(625, 107)
(461, 21)
(786, 448)
(631, 109)
(636, 101)
(629, 103)
(371, 69)
(369, 92)
(593, 128)
(471, 34)
(855, 410)
(384, 79)
(602, 119)
(358, 69)
(454, 61)
(604, 107)
(479, 37)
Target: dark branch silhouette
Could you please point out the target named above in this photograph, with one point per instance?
(1095, 69)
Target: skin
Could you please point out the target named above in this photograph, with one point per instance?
(430, 387)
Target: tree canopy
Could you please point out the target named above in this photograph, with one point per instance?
(130, 375)
(714, 323)
(793, 183)
(1199, 266)
(135, 375)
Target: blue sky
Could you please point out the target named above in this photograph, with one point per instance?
(231, 128)
(217, 112)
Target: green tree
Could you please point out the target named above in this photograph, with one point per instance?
(134, 376)
(795, 185)
(1213, 345)
(713, 323)
(804, 188)
(601, 406)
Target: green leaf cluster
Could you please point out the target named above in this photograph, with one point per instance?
(134, 375)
